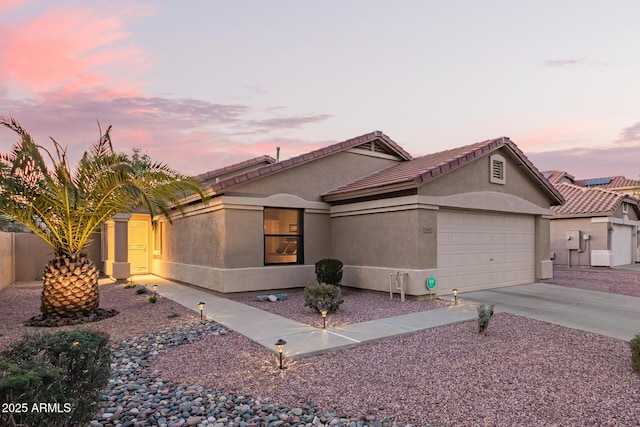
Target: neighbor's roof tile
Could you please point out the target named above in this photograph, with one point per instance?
(616, 182)
(587, 200)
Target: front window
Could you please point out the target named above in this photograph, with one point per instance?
(283, 236)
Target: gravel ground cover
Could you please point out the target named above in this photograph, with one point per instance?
(605, 280)
(21, 301)
(525, 372)
(358, 306)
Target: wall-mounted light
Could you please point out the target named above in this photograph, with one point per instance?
(455, 295)
(201, 307)
(323, 313)
(280, 345)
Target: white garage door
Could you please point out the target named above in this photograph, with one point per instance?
(483, 250)
(621, 244)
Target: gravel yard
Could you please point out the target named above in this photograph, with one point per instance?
(358, 306)
(603, 280)
(525, 372)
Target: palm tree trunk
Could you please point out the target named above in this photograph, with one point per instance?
(70, 287)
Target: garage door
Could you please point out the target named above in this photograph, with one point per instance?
(484, 250)
(621, 244)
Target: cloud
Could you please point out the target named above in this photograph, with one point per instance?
(630, 134)
(572, 63)
(289, 122)
(591, 163)
(69, 49)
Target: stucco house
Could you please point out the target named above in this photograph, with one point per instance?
(597, 226)
(473, 217)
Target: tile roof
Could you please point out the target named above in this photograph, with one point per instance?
(555, 176)
(587, 200)
(425, 168)
(616, 182)
(236, 166)
(313, 155)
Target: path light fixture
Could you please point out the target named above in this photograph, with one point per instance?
(324, 318)
(201, 307)
(280, 344)
(455, 295)
(155, 290)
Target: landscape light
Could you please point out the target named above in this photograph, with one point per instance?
(155, 289)
(455, 296)
(280, 344)
(201, 307)
(324, 318)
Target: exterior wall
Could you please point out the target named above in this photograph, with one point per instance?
(598, 240)
(7, 251)
(311, 180)
(474, 176)
(221, 247)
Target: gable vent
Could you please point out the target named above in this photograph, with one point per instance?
(497, 172)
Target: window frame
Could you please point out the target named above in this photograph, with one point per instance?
(298, 229)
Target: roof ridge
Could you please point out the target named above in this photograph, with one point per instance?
(312, 155)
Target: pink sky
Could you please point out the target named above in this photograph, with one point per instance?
(202, 94)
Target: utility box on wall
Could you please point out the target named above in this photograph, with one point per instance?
(573, 239)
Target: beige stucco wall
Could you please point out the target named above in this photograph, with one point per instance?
(314, 178)
(387, 239)
(598, 241)
(7, 275)
(222, 248)
(474, 176)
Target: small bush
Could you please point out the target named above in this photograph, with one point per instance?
(130, 285)
(141, 290)
(153, 300)
(635, 353)
(65, 371)
(329, 271)
(322, 296)
(484, 316)
(172, 314)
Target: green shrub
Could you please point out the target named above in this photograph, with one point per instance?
(635, 353)
(484, 316)
(141, 290)
(130, 286)
(329, 271)
(64, 371)
(153, 300)
(322, 296)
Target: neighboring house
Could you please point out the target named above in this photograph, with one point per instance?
(474, 217)
(598, 223)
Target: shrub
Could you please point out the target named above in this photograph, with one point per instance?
(141, 290)
(65, 371)
(322, 296)
(329, 271)
(484, 316)
(153, 300)
(129, 286)
(635, 353)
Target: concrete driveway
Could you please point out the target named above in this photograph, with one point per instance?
(617, 316)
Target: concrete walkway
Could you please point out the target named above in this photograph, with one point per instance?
(607, 314)
(302, 340)
(613, 315)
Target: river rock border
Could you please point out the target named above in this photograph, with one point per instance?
(135, 396)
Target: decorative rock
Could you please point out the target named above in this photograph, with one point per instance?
(262, 298)
(272, 298)
(282, 297)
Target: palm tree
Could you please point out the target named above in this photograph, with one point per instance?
(65, 207)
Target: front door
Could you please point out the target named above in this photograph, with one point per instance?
(139, 246)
